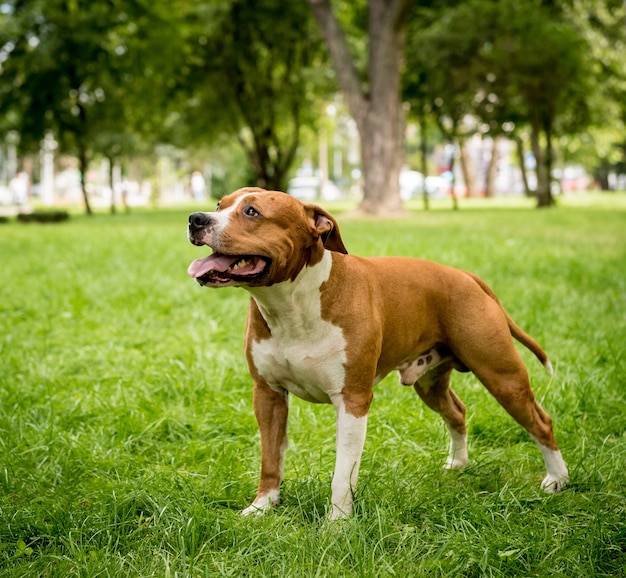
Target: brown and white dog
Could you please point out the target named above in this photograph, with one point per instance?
(327, 326)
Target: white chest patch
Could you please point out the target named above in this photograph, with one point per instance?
(305, 354)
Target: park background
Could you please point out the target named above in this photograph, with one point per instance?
(127, 440)
(149, 103)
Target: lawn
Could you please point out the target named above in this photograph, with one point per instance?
(128, 444)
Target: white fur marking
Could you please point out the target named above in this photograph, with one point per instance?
(262, 504)
(457, 456)
(305, 354)
(223, 216)
(557, 475)
(351, 433)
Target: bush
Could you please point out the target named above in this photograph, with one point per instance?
(43, 217)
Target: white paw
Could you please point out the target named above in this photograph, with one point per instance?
(553, 484)
(457, 463)
(457, 450)
(255, 510)
(261, 505)
(338, 513)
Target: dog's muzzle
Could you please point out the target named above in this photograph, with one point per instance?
(220, 269)
(198, 223)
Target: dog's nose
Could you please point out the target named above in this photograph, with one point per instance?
(199, 220)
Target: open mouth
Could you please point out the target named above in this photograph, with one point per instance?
(218, 269)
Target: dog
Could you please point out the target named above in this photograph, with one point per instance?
(327, 326)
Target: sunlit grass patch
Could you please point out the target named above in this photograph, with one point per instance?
(128, 444)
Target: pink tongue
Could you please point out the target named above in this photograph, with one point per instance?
(213, 262)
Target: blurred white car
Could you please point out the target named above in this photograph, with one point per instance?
(304, 188)
(6, 196)
(310, 189)
(411, 184)
(437, 187)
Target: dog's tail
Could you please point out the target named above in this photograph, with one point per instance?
(516, 331)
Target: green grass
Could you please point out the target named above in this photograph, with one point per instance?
(128, 444)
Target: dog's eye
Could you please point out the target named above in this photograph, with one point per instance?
(251, 212)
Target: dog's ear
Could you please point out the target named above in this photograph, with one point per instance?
(327, 229)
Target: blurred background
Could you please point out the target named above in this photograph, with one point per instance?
(121, 103)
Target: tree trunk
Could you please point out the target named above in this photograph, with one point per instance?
(544, 168)
(112, 184)
(492, 169)
(469, 175)
(83, 167)
(424, 158)
(547, 200)
(522, 164)
(455, 199)
(270, 160)
(382, 162)
(602, 175)
(378, 113)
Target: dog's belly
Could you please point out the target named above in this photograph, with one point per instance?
(419, 369)
(313, 371)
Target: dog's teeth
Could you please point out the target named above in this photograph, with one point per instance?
(240, 264)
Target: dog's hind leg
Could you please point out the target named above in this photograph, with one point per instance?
(434, 389)
(494, 360)
(512, 390)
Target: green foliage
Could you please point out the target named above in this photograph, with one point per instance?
(502, 62)
(128, 443)
(353, 17)
(94, 74)
(80, 69)
(552, 69)
(117, 77)
(537, 67)
(259, 77)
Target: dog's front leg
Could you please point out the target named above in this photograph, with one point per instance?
(351, 430)
(271, 410)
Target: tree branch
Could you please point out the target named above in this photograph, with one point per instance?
(387, 22)
(342, 59)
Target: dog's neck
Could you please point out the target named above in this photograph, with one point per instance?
(291, 307)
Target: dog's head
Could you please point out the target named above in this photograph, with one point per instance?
(259, 238)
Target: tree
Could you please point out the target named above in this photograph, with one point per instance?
(80, 69)
(535, 67)
(256, 75)
(602, 148)
(441, 75)
(506, 64)
(373, 101)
